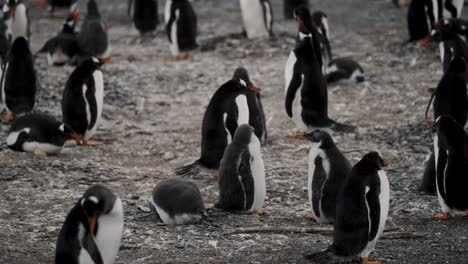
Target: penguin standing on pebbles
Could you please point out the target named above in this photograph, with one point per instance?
(145, 15)
(361, 212)
(92, 230)
(19, 81)
(83, 98)
(39, 133)
(328, 169)
(227, 110)
(290, 5)
(181, 28)
(242, 174)
(93, 39)
(344, 69)
(19, 20)
(178, 202)
(257, 18)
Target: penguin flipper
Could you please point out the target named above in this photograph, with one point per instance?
(428, 183)
(90, 246)
(338, 127)
(188, 170)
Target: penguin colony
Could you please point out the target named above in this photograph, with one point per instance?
(355, 199)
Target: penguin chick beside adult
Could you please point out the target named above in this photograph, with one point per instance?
(257, 18)
(93, 40)
(145, 15)
(344, 69)
(227, 110)
(39, 133)
(242, 174)
(19, 24)
(290, 5)
(320, 19)
(255, 106)
(181, 28)
(19, 81)
(361, 212)
(92, 230)
(83, 99)
(328, 170)
(178, 202)
(63, 48)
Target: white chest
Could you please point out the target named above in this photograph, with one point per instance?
(242, 109)
(258, 173)
(253, 19)
(110, 233)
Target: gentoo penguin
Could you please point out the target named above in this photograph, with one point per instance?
(344, 69)
(145, 15)
(451, 156)
(242, 173)
(328, 169)
(72, 5)
(421, 18)
(83, 98)
(450, 45)
(227, 110)
(306, 90)
(307, 28)
(255, 107)
(92, 230)
(181, 27)
(257, 18)
(19, 20)
(320, 19)
(290, 5)
(63, 47)
(187, 208)
(93, 39)
(361, 212)
(19, 83)
(39, 133)
(457, 25)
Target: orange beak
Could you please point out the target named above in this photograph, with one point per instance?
(423, 43)
(93, 224)
(75, 15)
(38, 3)
(299, 23)
(255, 89)
(75, 136)
(105, 60)
(385, 164)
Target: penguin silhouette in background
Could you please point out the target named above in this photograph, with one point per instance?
(344, 69)
(290, 5)
(361, 213)
(257, 18)
(421, 19)
(242, 174)
(93, 40)
(72, 5)
(188, 208)
(19, 81)
(144, 14)
(227, 110)
(83, 99)
(181, 28)
(451, 162)
(92, 230)
(18, 22)
(254, 101)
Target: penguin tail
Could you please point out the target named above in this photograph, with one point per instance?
(192, 169)
(338, 127)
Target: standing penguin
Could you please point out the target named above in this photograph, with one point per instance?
(242, 174)
(421, 18)
(53, 4)
(257, 18)
(145, 15)
(39, 133)
(254, 101)
(93, 39)
(290, 5)
(450, 45)
(328, 169)
(344, 69)
(307, 28)
(361, 212)
(19, 20)
(457, 25)
(181, 28)
(63, 48)
(92, 230)
(83, 98)
(451, 159)
(19, 83)
(227, 110)
(187, 208)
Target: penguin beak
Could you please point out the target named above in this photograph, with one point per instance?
(75, 15)
(255, 89)
(404, 5)
(299, 22)
(38, 3)
(385, 164)
(104, 60)
(423, 43)
(92, 223)
(74, 136)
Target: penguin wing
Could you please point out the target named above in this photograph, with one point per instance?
(373, 203)
(293, 86)
(170, 24)
(337, 75)
(90, 97)
(247, 181)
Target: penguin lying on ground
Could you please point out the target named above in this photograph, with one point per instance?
(19, 81)
(290, 5)
(227, 110)
(72, 5)
(257, 18)
(19, 24)
(63, 47)
(181, 28)
(328, 169)
(39, 133)
(242, 174)
(451, 156)
(83, 98)
(92, 230)
(361, 212)
(93, 40)
(344, 69)
(144, 14)
(178, 202)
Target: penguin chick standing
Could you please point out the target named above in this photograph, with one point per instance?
(344, 69)
(328, 169)
(361, 212)
(181, 27)
(254, 101)
(242, 173)
(93, 39)
(19, 20)
(290, 5)
(39, 133)
(227, 110)
(178, 202)
(83, 98)
(257, 18)
(19, 83)
(92, 230)
(144, 15)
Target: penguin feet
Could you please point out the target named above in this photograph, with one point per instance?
(368, 261)
(8, 117)
(259, 212)
(181, 57)
(311, 217)
(91, 143)
(298, 135)
(443, 216)
(40, 153)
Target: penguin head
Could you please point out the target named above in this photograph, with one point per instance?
(319, 137)
(243, 134)
(373, 160)
(12, 7)
(94, 63)
(303, 19)
(93, 10)
(457, 65)
(68, 132)
(70, 23)
(242, 76)
(449, 132)
(97, 201)
(235, 87)
(20, 47)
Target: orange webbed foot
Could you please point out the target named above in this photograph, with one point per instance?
(259, 212)
(8, 117)
(442, 216)
(368, 261)
(298, 135)
(311, 217)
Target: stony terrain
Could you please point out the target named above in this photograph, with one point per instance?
(153, 111)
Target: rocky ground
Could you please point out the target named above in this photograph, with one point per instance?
(153, 111)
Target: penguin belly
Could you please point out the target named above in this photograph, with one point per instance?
(109, 234)
(289, 70)
(48, 148)
(297, 110)
(258, 172)
(174, 28)
(440, 198)
(253, 19)
(57, 57)
(19, 25)
(177, 219)
(242, 109)
(316, 180)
